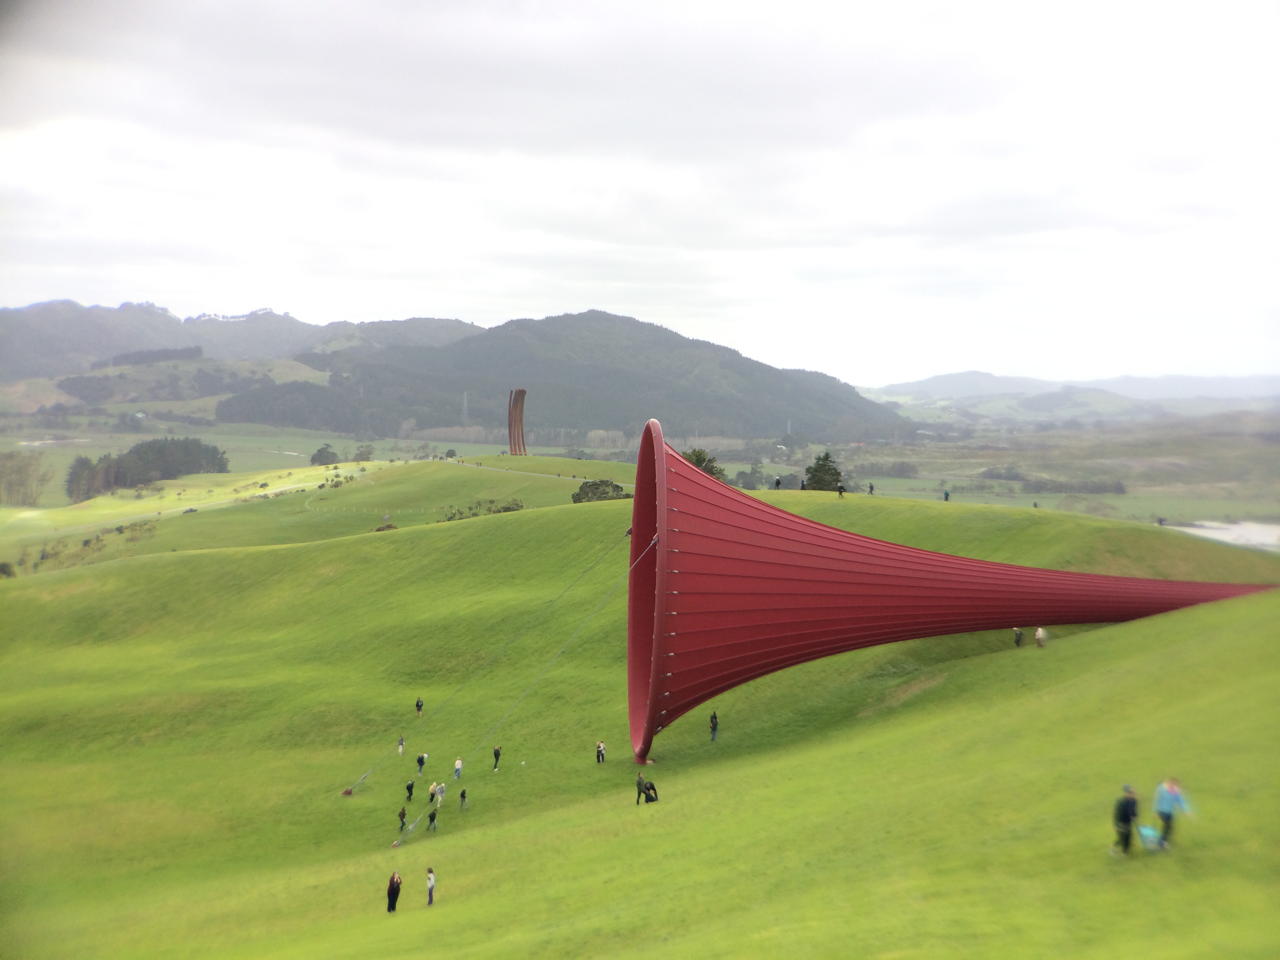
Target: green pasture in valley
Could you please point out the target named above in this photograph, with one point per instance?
(176, 731)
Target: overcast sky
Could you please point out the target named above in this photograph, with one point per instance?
(880, 191)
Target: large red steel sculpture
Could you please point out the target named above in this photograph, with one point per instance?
(726, 588)
(515, 423)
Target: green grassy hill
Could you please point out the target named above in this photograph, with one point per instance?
(177, 729)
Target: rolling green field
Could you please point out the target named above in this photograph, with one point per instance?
(178, 724)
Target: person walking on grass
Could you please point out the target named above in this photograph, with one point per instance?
(715, 726)
(431, 820)
(639, 787)
(408, 792)
(1126, 812)
(431, 886)
(422, 760)
(419, 706)
(402, 816)
(457, 768)
(599, 751)
(1017, 636)
(871, 489)
(1042, 635)
(400, 746)
(393, 892)
(840, 490)
(462, 799)
(439, 793)
(1169, 800)
(497, 756)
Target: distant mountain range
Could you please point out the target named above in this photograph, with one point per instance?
(62, 337)
(584, 371)
(974, 383)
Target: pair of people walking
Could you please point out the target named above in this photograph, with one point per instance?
(1169, 801)
(395, 883)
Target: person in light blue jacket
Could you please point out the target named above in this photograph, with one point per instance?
(1169, 800)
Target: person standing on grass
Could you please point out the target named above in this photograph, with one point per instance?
(457, 768)
(431, 819)
(840, 490)
(599, 751)
(422, 760)
(439, 793)
(871, 489)
(715, 726)
(462, 799)
(1126, 813)
(1017, 636)
(408, 792)
(393, 892)
(1169, 799)
(497, 755)
(639, 787)
(400, 746)
(402, 816)
(419, 706)
(1042, 635)
(431, 886)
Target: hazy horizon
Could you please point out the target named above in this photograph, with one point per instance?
(880, 193)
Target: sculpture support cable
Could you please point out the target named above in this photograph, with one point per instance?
(735, 589)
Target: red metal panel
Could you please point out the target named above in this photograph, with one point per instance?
(725, 588)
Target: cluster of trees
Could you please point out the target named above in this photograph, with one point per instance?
(481, 508)
(22, 477)
(143, 463)
(599, 490)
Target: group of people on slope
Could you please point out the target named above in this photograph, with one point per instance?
(1169, 801)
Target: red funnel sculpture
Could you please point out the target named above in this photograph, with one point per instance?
(725, 588)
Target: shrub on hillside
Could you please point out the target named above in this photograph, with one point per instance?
(599, 490)
(481, 508)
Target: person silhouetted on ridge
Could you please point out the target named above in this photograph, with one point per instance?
(777, 483)
(871, 489)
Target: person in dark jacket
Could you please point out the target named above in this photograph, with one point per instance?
(422, 761)
(393, 892)
(1017, 636)
(715, 726)
(639, 787)
(431, 819)
(462, 800)
(1126, 813)
(419, 706)
(497, 755)
(402, 816)
(408, 792)
(650, 792)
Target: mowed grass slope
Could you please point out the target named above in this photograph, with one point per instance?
(291, 506)
(177, 729)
